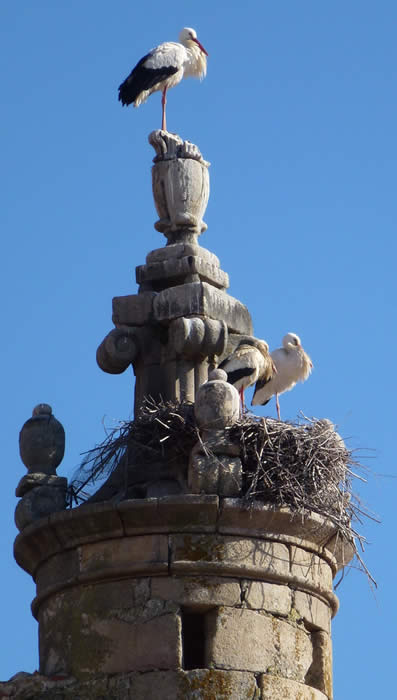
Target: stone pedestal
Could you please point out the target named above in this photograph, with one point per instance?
(177, 327)
(200, 592)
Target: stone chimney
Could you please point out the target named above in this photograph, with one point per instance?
(184, 591)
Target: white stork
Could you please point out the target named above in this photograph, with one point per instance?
(249, 362)
(293, 365)
(163, 68)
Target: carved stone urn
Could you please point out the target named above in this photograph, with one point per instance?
(180, 187)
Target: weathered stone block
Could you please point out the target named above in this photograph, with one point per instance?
(204, 684)
(88, 523)
(175, 269)
(137, 647)
(134, 309)
(247, 640)
(310, 567)
(275, 688)
(234, 556)
(314, 612)
(199, 684)
(189, 512)
(57, 569)
(181, 250)
(259, 518)
(220, 474)
(271, 597)
(79, 639)
(320, 673)
(201, 299)
(139, 516)
(143, 553)
(198, 591)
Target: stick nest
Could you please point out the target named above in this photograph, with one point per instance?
(303, 465)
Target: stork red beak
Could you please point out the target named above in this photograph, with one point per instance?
(201, 47)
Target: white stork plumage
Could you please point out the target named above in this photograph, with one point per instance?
(249, 362)
(164, 67)
(293, 365)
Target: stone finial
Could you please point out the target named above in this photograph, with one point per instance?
(180, 187)
(217, 402)
(42, 441)
(41, 446)
(215, 466)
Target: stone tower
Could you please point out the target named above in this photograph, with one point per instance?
(164, 584)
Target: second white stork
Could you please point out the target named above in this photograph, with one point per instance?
(163, 68)
(249, 362)
(293, 365)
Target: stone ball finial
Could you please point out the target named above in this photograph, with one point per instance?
(217, 402)
(218, 374)
(42, 441)
(42, 409)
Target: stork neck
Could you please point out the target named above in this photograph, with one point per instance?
(196, 62)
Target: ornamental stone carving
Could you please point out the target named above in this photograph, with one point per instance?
(180, 187)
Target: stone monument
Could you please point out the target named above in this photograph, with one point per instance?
(183, 592)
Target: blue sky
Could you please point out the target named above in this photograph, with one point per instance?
(298, 117)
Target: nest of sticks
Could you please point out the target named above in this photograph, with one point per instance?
(304, 465)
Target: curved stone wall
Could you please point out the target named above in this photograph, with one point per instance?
(178, 584)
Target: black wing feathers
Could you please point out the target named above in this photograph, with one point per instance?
(236, 374)
(259, 385)
(141, 79)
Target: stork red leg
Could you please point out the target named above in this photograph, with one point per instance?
(163, 103)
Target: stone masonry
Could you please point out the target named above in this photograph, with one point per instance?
(185, 592)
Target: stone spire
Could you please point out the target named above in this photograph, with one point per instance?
(177, 589)
(182, 317)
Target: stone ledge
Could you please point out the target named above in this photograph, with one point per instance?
(236, 517)
(173, 514)
(180, 269)
(202, 299)
(181, 250)
(133, 309)
(199, 684)
(87, 523)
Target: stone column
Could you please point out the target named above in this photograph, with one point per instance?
(180, 320)
(186, 596)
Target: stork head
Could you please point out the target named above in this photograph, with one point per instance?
(188, 35)
(291, 340)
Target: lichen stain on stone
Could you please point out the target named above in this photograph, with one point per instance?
(196, 548)
(294, 618)
(71, 637)
(211, 685)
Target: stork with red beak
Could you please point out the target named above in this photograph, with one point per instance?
(163, 68)
(293, 365)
